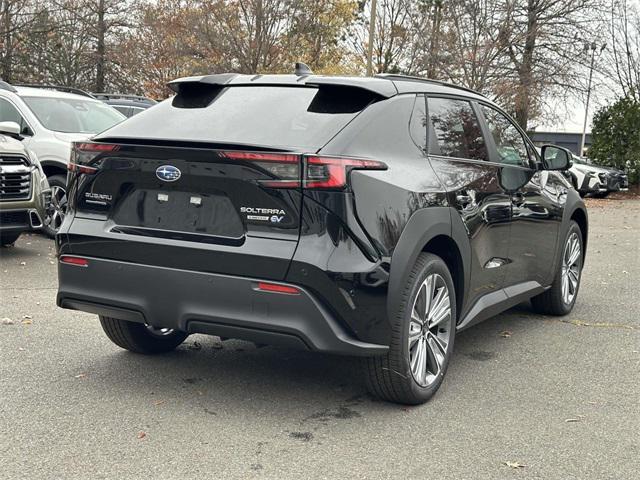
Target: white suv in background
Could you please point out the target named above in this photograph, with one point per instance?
(49, 121)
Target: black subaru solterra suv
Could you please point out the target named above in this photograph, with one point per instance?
(373, 217)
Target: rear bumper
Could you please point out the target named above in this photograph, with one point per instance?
(198, 302)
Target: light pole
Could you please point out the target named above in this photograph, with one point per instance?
(593, 48)
(372, 32)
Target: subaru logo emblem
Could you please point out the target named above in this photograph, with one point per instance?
(168, 173)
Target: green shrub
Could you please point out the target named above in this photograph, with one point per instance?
(616, 137)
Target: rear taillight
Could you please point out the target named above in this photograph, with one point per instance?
(86, 156)
(284, 168)
(319, 172)
(333, 172)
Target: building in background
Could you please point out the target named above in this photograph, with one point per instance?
(568, 140)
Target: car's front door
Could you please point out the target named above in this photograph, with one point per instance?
(536, 201)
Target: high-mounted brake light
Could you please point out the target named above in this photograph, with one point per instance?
(76, 261)
(333, 172)
(277, 288)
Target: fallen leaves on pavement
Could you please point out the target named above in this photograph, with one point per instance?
(582, 323)
(514, 464)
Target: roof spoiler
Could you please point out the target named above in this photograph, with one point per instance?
(378, 86)
(218, 79)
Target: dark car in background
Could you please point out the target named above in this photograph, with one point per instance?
(128, 105)
(373, 217)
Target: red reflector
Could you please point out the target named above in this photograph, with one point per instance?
(97, 147)
(277, 288)
(261, 157)
(77, 261)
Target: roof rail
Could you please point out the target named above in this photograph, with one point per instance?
(123, 96)
(58, 88)
(6, 86)
(412, 78)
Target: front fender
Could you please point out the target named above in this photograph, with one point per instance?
(573, 203)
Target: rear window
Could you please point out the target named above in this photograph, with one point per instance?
(288, 117)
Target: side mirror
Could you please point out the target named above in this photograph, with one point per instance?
(10, 128)
(556, 158)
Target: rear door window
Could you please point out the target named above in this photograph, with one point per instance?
(455, 130)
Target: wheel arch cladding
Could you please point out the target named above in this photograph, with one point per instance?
(432, 230)
(51, 168)
(579, 215)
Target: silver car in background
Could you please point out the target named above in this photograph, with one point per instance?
(597, 180)
(49, 121)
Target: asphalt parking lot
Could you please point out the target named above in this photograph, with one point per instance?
(526, 396)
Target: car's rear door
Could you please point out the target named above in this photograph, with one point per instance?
(459, 155)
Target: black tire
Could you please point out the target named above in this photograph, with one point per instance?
(552, 301)
(389, 376)
(601, 195)
(138, 338)
(55, 182)
(7, 239)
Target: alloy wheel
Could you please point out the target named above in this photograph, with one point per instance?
(429, 330)
(571, 268)
(57, 208)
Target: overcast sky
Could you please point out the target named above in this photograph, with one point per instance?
(571, 115)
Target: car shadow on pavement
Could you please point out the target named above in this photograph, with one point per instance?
(18, 253)
(210, 373)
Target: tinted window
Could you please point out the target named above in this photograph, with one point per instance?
(511, 147)
(298, 117)
(418, 125)
(456, 131)
(126, 111)
(9, 113)
(71, 115)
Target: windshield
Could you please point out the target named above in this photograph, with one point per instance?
(71, 115)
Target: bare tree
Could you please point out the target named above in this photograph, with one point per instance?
(540, 37)
(623, 57)
(19, 20)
